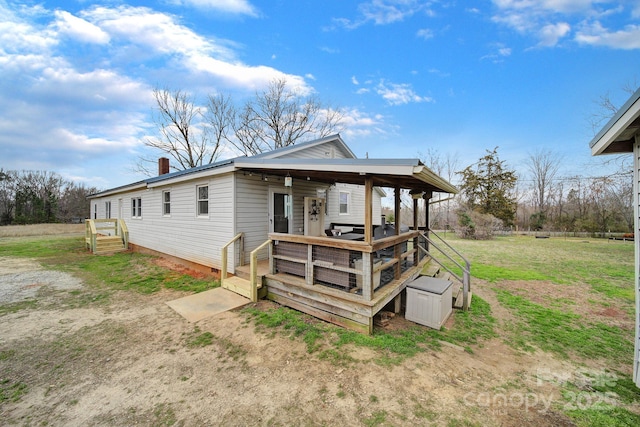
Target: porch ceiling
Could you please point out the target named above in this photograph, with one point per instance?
(405, 173)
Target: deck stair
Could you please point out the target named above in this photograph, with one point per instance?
(242, 286)
(432, 269)
(106, 236)
(109, 244)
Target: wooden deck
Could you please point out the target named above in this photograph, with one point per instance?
(335, 305)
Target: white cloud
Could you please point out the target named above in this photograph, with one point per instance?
(550, 34)
(236, 7)
(385, 12)
(358, 123)
(79, 29)
(354, 80)
(425, 33)
(163, 35)
(596, 35)
(399, 94)
(550, 21)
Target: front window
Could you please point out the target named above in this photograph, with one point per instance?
(344, 203)
(107, 210)
(136, 207)
(203, 200)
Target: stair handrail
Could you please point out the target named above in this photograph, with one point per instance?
(225, 255)
(123, 232)
(91, 235)
(466, 269)
(253, 275)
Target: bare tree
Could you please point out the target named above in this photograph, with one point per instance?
(543, 166)
(183, 134)
(279, 116)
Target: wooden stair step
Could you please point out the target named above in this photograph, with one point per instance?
(459, 299)
(431, 269)
(240, 286)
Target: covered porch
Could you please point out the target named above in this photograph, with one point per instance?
(347, 278)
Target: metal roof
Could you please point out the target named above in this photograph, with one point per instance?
(618, 135)
(406, 173)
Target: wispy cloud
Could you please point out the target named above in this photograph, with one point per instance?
(235, 7)
(385, 12)
(550, 22)
(595, 34)
(399, 93)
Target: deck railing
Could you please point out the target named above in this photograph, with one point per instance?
(346, 264)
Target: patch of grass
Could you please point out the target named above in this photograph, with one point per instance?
(604, 416)
(12, 391)
(564, 333)
(120, 271)
(164, 415)
(290, 322)
(376, 419)
(492, 273)
(17, 306)
(391, 347)
(200, 340)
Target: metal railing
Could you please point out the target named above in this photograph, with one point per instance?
(462, 264)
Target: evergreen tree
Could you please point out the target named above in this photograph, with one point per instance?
(488, 187)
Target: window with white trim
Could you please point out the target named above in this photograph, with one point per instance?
(107, 210)
(202, 194)
(166, 203)
(136, 207)
(345, 198)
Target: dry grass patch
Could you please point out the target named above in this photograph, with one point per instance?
(40, 230)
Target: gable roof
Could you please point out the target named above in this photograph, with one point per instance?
(410, 173)
(283, 151)
(618, 135)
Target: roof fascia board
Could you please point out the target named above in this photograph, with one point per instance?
(193, 176)
(395, 168)
(118, 190)
(618, 124)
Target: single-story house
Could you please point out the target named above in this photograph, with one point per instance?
(621, 134)
(308, 216)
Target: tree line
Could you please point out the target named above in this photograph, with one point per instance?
(494, 196)
(35, 197)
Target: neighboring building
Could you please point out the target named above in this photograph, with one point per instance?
(622, 135)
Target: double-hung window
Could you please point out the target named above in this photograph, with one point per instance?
(202, 194)
(136, 207)
(166, 203)
(344, 202)
(107, 210)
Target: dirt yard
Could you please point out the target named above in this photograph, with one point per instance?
(132, 362)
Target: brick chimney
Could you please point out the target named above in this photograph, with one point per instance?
(163, 165)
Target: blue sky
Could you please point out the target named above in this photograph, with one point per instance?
(458, 77)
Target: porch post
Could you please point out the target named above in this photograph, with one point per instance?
(397, 248)
(427, 196)
(368, 210)
(416, 254)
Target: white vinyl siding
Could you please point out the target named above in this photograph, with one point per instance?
(329, 150)
(636, 205)
(356, 205)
